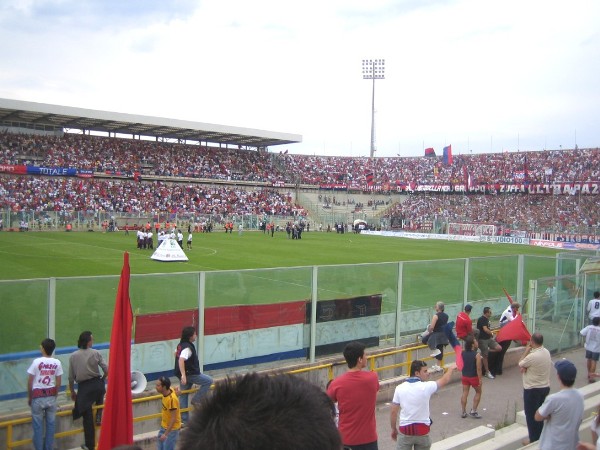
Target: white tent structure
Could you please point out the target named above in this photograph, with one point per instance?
(168, 251)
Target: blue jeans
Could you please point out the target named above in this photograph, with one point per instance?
(39, 407)
(202, 380)
(169, 443)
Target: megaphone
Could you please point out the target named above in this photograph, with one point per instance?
(138, 382)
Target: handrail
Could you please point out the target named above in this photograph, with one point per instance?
(10, 424)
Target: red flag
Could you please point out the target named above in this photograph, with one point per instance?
(508, 296)
(117, 420)
(514, 330)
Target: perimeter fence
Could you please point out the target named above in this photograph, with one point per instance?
(247, 317)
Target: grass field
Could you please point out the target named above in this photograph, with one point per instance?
(58, 254)
(285, 275)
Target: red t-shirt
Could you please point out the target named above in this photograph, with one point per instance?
(356, 395)
(464, 325)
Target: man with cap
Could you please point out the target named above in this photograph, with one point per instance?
(561, 412)
(464, 324)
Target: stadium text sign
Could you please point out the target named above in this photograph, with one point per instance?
(583, 188)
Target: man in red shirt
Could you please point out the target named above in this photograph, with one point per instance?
(356, 394)
(464, 324)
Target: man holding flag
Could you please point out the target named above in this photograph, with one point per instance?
(496, 360)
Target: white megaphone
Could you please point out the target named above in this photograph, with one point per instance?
(138, 382)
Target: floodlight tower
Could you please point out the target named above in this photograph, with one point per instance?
(373, 69)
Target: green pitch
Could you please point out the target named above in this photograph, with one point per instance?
(345, 260)
(61, 254)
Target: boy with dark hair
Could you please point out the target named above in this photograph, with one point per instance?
(356, 394)
(409, 416)
(43, 384)
(170, 423)
(464, 324)
(254, 411)
(187, 369)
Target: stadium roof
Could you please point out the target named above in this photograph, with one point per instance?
(42, 116)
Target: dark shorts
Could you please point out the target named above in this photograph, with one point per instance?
(485, 345)
(592, 355)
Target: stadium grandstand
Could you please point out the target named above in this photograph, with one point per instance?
(56, 161)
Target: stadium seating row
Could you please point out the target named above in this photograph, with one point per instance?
(102, 154)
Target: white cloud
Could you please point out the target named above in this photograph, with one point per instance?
(478, 75)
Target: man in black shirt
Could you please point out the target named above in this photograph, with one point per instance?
(486, 339)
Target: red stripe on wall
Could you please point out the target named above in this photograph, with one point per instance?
(224, 319)
(163, 326)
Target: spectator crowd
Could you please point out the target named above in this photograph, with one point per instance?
(162, 159)
(165, 169)
(518, 211)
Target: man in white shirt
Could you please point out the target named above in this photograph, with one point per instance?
(592, 347)
(44, 381)
(411, 400)
(593, 306)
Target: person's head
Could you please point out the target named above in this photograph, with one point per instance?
(468, 308)
(537, 339)
(163, 385)
(515, 307)
(48, 346)
(439, 306)
(596, 321)
(566, 371)
(471, 343)
(85, 340)
(354, 354)
(188, 334)
(597, 294)
(261, 411)
(487, 311)
(418, 368)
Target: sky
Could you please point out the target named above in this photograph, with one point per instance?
(482, 76)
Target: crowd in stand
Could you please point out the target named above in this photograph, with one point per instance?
(78, 194)
(522, 211)
(128, 157)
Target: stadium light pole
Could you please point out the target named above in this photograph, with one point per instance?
(373, 69)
